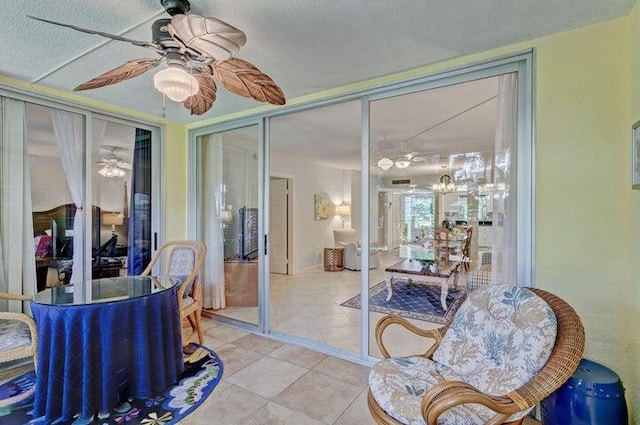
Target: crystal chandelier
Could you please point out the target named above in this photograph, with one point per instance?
(445, 185)
(111, 171)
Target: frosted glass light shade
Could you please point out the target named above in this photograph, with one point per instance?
(111, 171)
(403, 164)
(385, 163)
(176, 83)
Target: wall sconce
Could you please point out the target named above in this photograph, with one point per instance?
(112, 219)
(343, 211)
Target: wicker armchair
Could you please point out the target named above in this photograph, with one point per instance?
(18, 340)
(184, 259)
(444, 395)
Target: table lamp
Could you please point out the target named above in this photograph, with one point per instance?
(343, 211)
(112, 219)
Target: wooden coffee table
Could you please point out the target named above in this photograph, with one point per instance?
(413, 271)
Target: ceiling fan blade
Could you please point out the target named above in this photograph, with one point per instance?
(202, 101)
(126, 71)
(244, 79)
(124, 165)
(152, 46)
(209, 37)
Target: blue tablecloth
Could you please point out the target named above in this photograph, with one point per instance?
(91, 355)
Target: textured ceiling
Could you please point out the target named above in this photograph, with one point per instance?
(304, 45)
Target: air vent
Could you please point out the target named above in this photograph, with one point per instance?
(403, 181)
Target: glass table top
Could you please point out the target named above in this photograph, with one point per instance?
(107, 290)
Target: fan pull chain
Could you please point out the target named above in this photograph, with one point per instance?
(164, 105)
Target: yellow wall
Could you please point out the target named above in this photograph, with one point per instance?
(175, 182)
(633, 306)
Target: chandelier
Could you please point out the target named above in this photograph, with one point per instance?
(445, 185)
(111, 171)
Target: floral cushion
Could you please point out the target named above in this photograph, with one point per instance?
(398, 385)
(14, 334)
(500, 338)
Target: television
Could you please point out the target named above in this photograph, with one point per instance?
(248, 234)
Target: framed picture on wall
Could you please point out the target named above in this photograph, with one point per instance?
(635, 156)
(321, 206)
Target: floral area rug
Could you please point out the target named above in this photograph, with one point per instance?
(412, 300)
(202, 372)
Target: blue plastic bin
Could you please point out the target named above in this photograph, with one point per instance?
(593, 395)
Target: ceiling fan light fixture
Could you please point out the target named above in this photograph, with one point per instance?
(385, 163)
(176, 83)
(402, 164)
(111, 171)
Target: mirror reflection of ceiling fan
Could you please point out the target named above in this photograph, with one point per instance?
(112, 165)
(194, 51)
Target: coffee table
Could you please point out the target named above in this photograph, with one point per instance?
(415, 273)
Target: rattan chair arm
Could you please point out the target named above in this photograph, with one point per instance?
(445, 395)
(16, 297)
(383, 323)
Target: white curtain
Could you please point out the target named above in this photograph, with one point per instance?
(214, 203)
(69, 131)
(17, 255)
(504, 254)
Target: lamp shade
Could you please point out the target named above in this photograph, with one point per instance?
(176, 83)
(225, 216)
(343, 210)
(112, 219)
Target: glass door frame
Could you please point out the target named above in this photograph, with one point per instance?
(521, 62)
(88, 113)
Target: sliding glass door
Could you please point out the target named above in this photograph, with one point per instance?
(229, 222)
(358, 194)
(53, 161)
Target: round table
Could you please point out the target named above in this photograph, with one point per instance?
(123, 341)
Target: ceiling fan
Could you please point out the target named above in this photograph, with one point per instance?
(194, 51)
(112, 165)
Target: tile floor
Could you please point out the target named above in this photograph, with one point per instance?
(307, 305)
(267, 382)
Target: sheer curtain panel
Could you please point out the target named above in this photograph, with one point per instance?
(17, 265)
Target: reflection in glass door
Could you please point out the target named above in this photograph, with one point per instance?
(229, 222)
(438, 170)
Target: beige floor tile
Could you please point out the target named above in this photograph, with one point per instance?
(276, 414)
(357, 413)
(227, 405)
(236, 358)
(257, 343)
(349, 372)
(214, 343)
(321, 397)
(268, 376)
(298, 356)
(225, 333)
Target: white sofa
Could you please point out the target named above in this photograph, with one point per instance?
(348, 239)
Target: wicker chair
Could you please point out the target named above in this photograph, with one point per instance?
(563, 360)
(481, 277)
(184, 259)
(18, 340)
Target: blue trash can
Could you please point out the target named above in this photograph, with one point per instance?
(593, 395)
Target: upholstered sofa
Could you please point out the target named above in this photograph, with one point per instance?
(348, 239)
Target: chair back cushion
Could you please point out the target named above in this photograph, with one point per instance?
(182, 262)
(345, 236)
(500, 337)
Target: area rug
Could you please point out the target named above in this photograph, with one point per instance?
(202, 372)
(412, 300)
